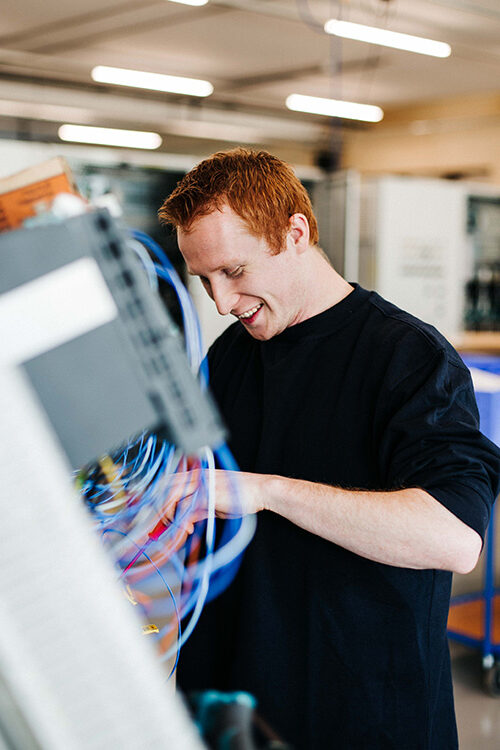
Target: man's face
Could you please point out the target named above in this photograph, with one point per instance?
(242, 276)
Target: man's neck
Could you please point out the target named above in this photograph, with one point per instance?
(326, 287)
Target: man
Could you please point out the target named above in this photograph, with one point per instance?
(355, 428)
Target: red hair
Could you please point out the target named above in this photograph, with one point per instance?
(260, 188)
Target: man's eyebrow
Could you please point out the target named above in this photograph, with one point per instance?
(193, 273)
(224, 267)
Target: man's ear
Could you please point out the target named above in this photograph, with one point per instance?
(298, 233)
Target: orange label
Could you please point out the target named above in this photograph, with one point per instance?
(18, 205)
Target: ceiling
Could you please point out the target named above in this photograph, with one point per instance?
(255, 53)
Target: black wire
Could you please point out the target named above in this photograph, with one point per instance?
(383, 19)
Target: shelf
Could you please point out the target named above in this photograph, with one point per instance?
(466, 619)
(487, 342)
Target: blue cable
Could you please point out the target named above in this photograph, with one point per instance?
(167, 272)
(143, 465)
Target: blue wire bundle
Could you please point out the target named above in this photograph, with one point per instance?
(169, 566)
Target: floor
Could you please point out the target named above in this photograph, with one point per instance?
(478, 714)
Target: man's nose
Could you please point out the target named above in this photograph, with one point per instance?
(225, 299)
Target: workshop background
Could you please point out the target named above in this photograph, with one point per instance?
(408, 203)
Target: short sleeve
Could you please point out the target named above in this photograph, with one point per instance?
(429, 436)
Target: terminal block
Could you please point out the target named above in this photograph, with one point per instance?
(125, 376)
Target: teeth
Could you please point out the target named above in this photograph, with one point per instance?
(251, 312)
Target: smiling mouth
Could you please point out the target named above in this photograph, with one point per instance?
(247, 317)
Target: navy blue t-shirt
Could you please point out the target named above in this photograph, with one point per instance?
(342, 652)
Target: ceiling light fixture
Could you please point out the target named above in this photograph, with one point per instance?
(155, 81)
(316, 105)
(110, 137)
(385, 38)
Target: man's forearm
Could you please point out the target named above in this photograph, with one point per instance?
(405, 528)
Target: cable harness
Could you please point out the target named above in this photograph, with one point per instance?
(155, 507)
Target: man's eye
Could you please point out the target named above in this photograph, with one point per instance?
(234, 274)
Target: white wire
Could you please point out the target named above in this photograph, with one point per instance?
(194, 344)
(146, 261)
(207, 565)
(230, 551)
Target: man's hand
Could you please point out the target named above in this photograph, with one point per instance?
(236, 494)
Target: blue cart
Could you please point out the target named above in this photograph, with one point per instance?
(474, 619)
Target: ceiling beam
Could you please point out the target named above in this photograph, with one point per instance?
(69, 22)
(119, 20)
(88, 107)
(136, 20)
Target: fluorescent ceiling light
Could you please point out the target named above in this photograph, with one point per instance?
(190, 2)
(386, 38)
(316, 105)
(155, 81)
(110, 137)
